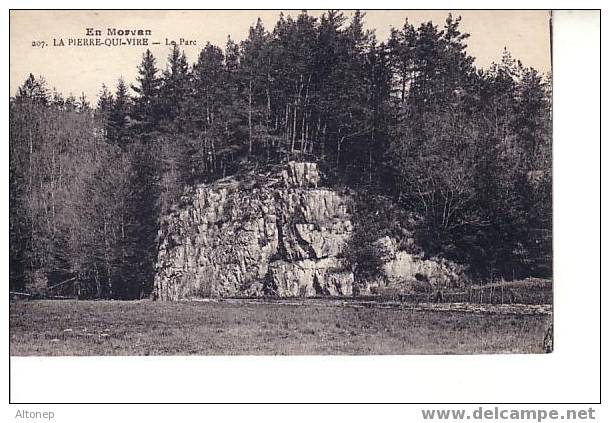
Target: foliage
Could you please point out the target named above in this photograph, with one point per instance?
(375, 217)
(464, 152)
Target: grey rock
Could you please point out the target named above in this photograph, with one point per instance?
(308, 278)
(301, 175)
(404, 270)
(269, 236)
(229, 238)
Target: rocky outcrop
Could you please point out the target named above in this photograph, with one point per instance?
(269, 235)
(256, 236)
(307, 278)
(402, 268)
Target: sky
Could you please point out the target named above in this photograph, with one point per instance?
(76, 70)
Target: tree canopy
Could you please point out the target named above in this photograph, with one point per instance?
(464, 152)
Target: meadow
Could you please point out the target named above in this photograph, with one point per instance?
(239, 327)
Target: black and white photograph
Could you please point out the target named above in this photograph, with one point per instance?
(302, 206)
(298, 182)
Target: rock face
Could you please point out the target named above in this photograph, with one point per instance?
(266, 236)
(402, 267)
(275, 236)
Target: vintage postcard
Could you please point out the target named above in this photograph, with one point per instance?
(270, 182)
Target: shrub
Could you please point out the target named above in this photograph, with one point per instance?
(374, 218)
(36, 283)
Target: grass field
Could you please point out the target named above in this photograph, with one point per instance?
(60, 328)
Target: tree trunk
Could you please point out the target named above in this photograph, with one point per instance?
(323, 146)
(250, 118)
(286, 124)
(339, 150)
(294, 128)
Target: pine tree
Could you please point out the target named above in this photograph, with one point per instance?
(57, 99)
(255, 68)
(117, 125)
(146, 108)
(34, 90)
(401, 47)
(82, 104)
(71, 103)
(173, 87)
(208, 108)
(105, 101)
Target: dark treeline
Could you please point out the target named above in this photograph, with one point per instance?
(464, 153)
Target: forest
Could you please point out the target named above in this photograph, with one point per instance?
(464, 153)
